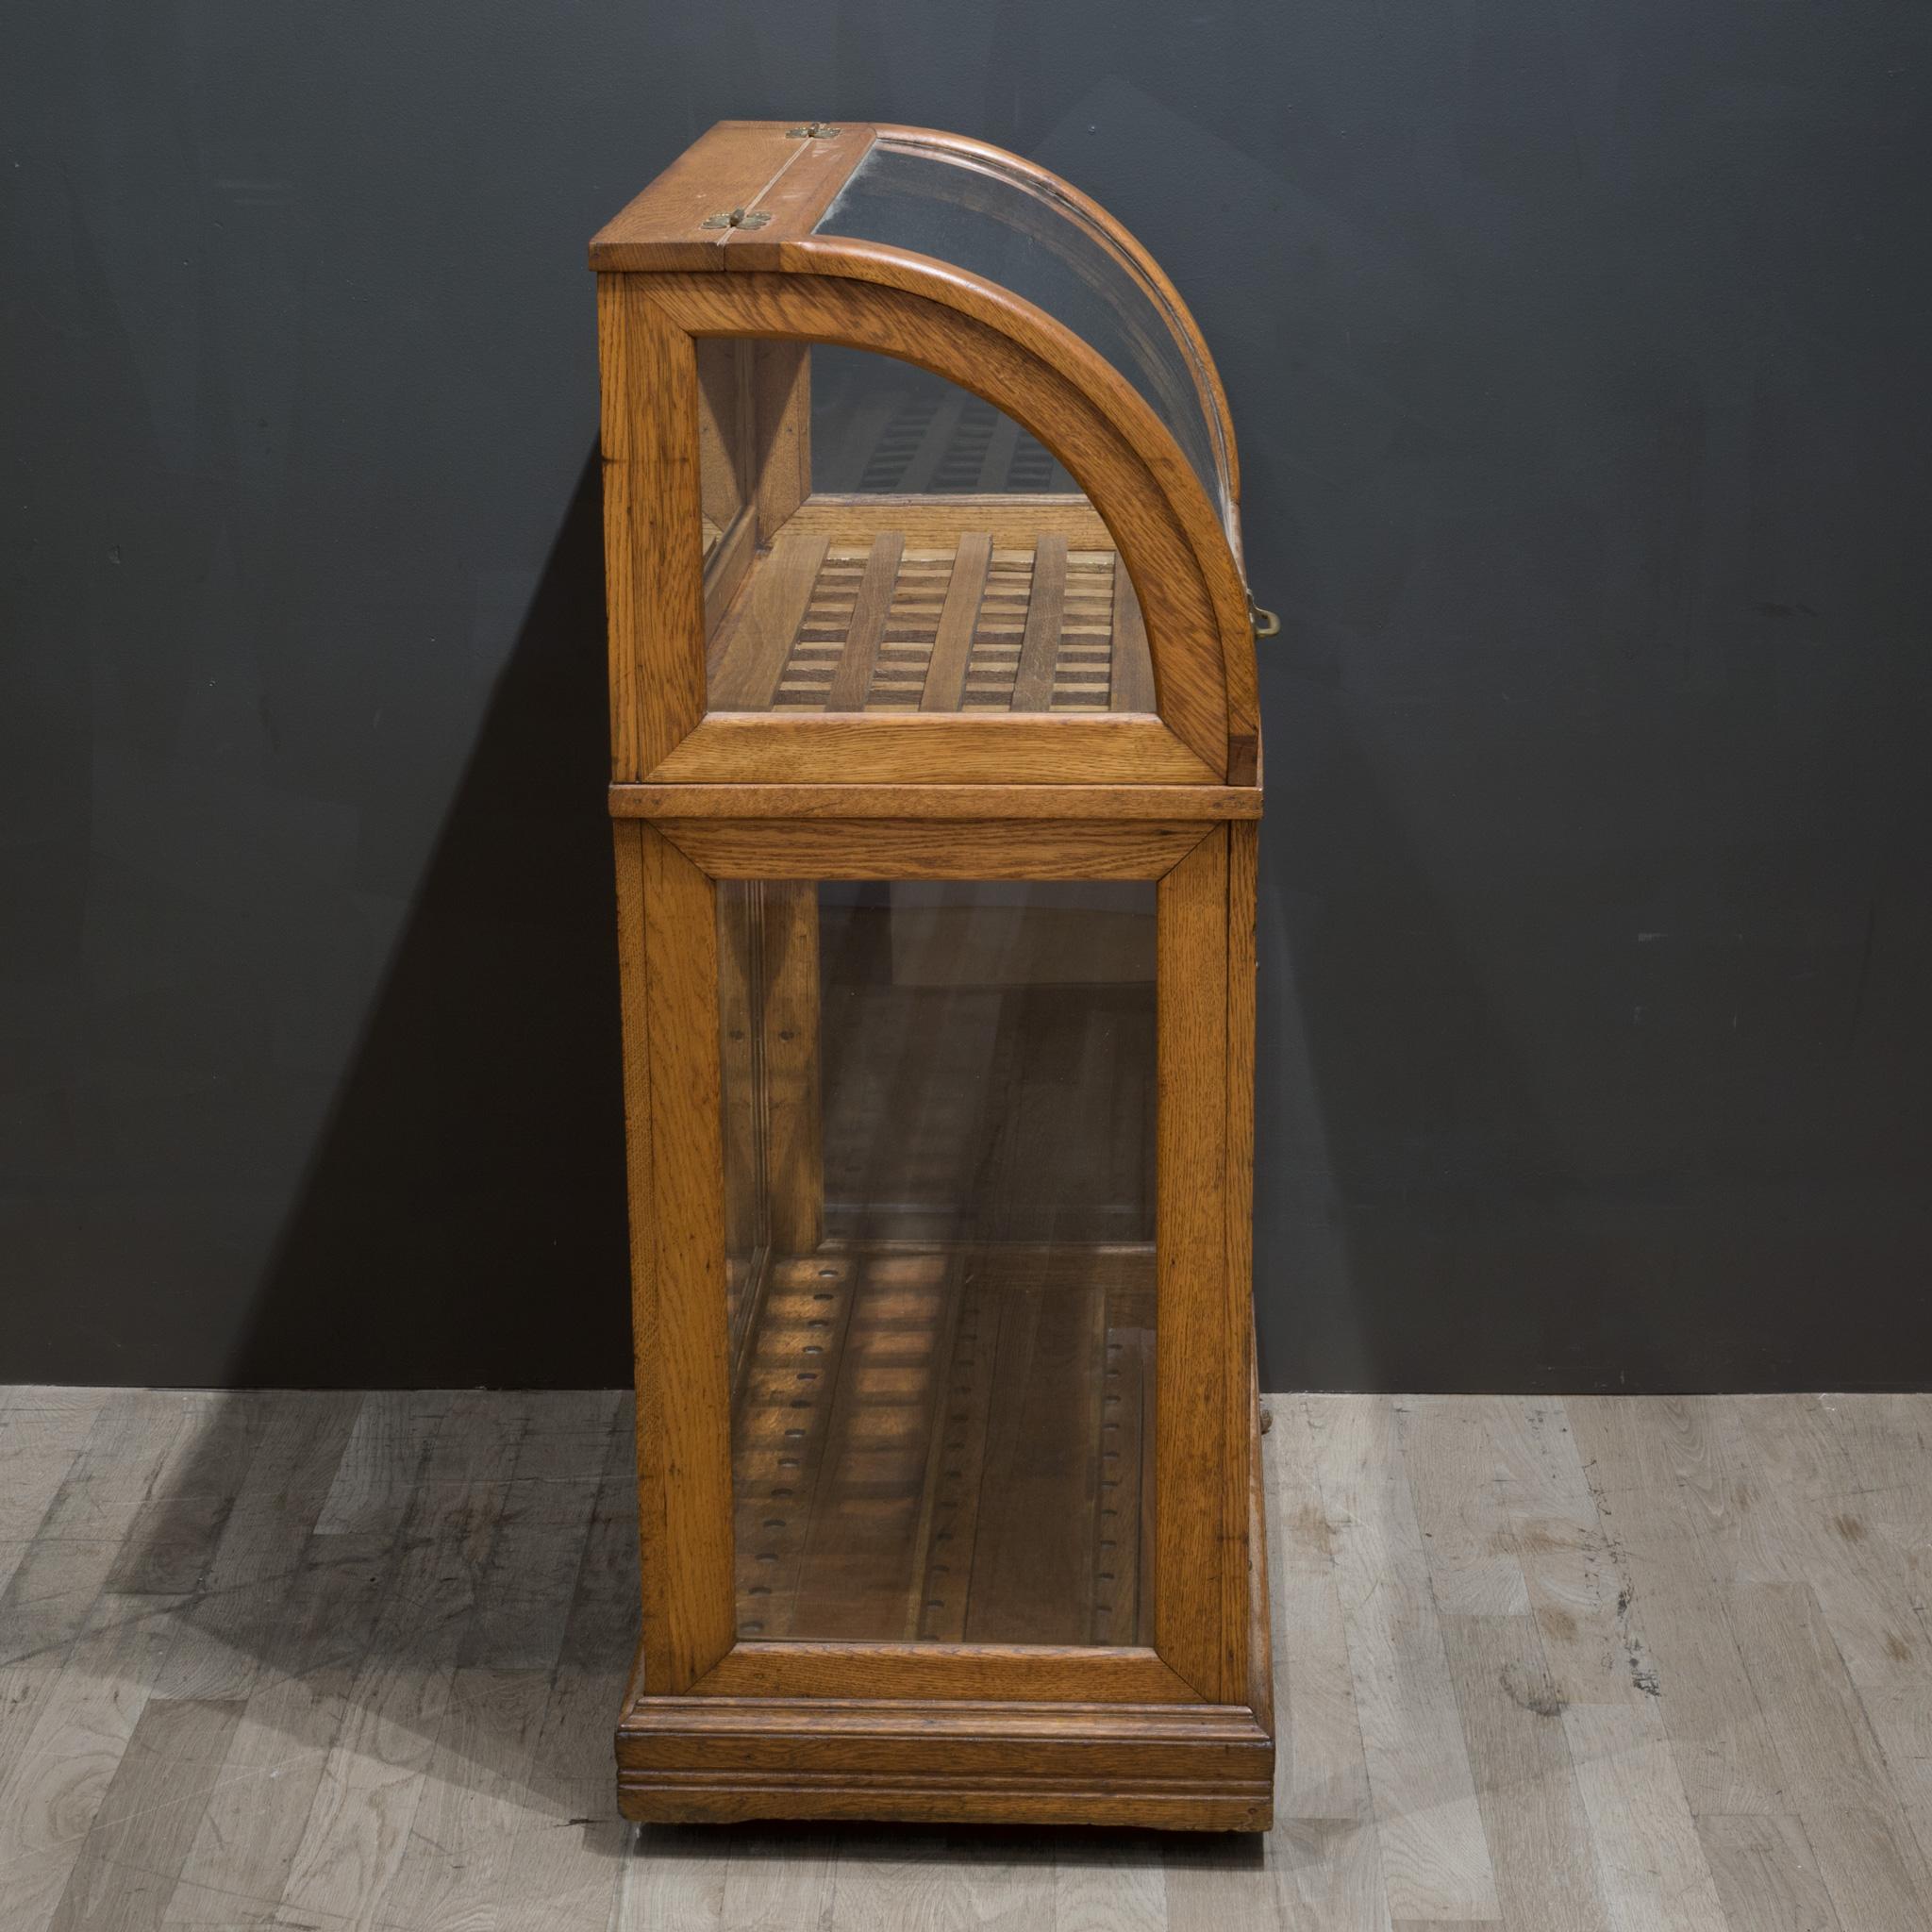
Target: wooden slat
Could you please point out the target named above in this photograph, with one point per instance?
(851, 680)
(758, 630)
(1131, 681)
(946, 672)
(1040, 646)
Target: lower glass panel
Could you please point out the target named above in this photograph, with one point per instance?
(938, 1126)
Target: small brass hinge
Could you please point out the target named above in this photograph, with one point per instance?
(812, 130)
(735, 217)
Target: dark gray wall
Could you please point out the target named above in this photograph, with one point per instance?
(1578, 356)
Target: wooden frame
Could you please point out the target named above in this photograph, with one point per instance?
(1205, 1612)
(705, 329)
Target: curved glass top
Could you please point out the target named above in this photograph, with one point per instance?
(1007, 227)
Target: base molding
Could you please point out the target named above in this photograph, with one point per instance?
(1179, 1766)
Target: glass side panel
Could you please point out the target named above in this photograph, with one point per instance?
(879, 426)
(1003, 227)
(940, 1123)
(942, 560)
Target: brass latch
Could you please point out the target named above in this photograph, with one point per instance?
(1265, 622)
(812, 130)
(735, 217)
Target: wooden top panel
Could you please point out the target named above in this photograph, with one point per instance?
(759, 166)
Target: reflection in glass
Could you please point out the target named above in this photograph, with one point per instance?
(1002, 226)
(883, 426)
(938, 1105)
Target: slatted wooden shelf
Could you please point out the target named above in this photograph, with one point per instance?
(947, 1443)
(966, 621)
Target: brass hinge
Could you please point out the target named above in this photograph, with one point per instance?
(735, 217)
(812, 130)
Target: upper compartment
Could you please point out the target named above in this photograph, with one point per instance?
(868, 574)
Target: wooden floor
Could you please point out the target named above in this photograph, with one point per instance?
(327, 1660)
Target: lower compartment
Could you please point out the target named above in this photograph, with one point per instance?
(947, 1443)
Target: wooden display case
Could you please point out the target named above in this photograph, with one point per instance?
(935, 811)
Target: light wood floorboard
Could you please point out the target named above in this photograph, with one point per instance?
(343, 1662)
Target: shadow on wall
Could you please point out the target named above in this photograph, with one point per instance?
(462, 1219)
(1390, 1096)
(465, 1203)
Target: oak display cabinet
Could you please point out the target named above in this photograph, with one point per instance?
(935, 802)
